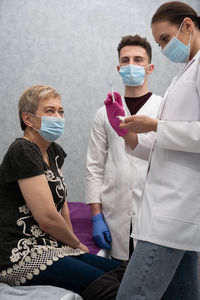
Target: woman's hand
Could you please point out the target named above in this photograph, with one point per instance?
(83, 247)
(139, 124)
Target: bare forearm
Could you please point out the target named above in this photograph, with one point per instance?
(66, 215)
(131, 139)
(60, 230)
(96, 208)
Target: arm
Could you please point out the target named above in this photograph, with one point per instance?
(66, 215)
(96, 209)
(42, 207)
(96, 159)
(139, 144)
(177, 135)
(172, 135)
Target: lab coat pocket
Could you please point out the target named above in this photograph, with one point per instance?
(180, 200)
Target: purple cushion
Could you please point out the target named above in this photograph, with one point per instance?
(82, 225)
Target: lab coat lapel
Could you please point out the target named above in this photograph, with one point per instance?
(161, 109)
(127, 112)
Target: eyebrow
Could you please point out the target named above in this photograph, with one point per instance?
(50, 106)
(136, 56)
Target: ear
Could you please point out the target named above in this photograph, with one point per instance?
(150, 69)
(26, 117)
(118, 68)
(188, 24)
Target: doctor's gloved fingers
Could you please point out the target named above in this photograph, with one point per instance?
(101, 242)
(108, 236)
(118, 98)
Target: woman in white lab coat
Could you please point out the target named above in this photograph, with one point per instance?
(167, 226)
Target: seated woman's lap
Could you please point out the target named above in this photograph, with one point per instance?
(74, 273)
(99, 262)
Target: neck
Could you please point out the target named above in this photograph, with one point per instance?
(136, 91)
(34, 137)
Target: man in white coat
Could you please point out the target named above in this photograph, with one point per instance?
(115, 180)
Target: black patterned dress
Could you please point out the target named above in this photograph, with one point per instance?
(25, 250)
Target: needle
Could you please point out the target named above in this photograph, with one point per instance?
(111, 89)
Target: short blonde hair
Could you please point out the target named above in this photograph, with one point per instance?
(29, 100)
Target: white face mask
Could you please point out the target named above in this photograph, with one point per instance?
(176, 51)
(133, 75)
(51, 127)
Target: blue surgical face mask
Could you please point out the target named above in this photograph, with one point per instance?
(51, 127)
(132, 75)
(176, 51)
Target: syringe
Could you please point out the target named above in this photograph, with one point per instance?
(121, 118)
(111, 90)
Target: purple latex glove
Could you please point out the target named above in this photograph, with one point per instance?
(115, 109)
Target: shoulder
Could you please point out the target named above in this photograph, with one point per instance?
(22, 160)
(100, 115)
(57, 152)
(23, 148)
(101, 111)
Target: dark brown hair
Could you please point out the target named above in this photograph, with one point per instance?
(135, 40)
(175, 12)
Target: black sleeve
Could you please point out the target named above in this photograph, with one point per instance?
(22, 160)
(57, 151)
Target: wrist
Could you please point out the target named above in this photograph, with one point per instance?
(95, 209)
(155, 125)
(97, 217)
(78, 244)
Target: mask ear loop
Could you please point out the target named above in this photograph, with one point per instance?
(180, 30)
(36, 117)
(145, 72)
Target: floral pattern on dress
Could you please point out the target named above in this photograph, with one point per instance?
(24, 209)
(31, 231)
(36, 231)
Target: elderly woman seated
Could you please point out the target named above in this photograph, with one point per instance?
(37, 242)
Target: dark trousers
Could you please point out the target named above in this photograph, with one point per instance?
(75, 273)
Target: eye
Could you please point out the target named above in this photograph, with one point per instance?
(138, 60)
(61, 113)
(165, 39)
(125, 60)
(50, 111)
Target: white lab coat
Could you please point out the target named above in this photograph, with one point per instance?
(115, 179)
(169, 211)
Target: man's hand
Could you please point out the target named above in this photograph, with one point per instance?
(100, 232)
(115, 109)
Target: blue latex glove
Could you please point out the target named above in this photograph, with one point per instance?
(100, 232)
